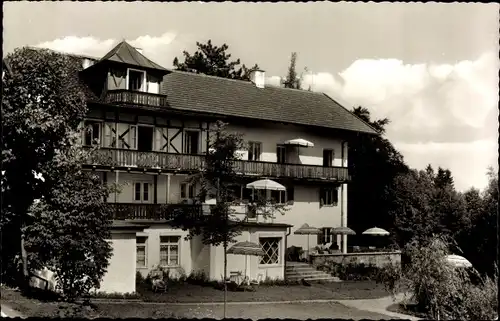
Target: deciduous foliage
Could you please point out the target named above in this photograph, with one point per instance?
(71, 225)
(479, 241)
(215, 61)
(423, 205)
(373, 165)
(440, 290)
(42, 105)
(42, 102)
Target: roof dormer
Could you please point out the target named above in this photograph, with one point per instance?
(129, 77)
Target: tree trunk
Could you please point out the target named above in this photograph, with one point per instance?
(225, 276)
(24, 259)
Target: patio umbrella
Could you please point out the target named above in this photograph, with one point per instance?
(299, 142)
(307, 230)
(457, 261)
(266, 184)
(343, 230)
(376, 231)
(246, 248)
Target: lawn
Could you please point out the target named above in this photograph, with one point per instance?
(187, 293)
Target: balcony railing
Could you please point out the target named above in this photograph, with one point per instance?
(126, 158)
(133, 211)
(122, 96)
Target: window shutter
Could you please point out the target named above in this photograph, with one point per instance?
(158, 133)
(290, 194)
(335, 196)
(132, 135)
(107, 135)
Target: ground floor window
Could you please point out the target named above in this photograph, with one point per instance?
(271, 247)
(169, 250)
(328, 196)
(141, 251)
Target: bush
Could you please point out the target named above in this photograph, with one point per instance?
(198, 278)
(438, 289)
(139, 279)
(351, 271)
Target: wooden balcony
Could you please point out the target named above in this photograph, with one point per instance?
(133, 211)
(129, 159)
(121, 96)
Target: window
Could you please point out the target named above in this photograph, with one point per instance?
(145, 138)
(278, 197)
(328, 196)
(169, 250)
(281, 154)
(141, 250)
(191, 142)
(92, 133)
(271, 247)
(251, 194)
(142, 192)
(326, 236)
(328, 157)
(254, 150)
(136, 80)
(187, 191)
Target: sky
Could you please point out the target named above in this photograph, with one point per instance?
(431, 68)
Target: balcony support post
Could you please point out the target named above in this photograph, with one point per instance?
(116, 185)
(155, 187)
(168, 188)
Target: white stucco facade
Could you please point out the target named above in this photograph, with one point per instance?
(305, 198)
(120, 277)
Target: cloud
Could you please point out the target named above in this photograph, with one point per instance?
(442, 114)
(161, 49)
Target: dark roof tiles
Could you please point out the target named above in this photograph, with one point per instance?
(125, 53)
(202, 93)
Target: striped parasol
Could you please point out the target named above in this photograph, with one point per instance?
(246, 248)
(307, 230)
(344, 230)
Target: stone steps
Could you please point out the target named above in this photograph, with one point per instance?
(296, 271)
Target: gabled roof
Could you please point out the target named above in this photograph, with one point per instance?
(125, 53)
(209, 94)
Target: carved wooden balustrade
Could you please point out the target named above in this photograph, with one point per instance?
(125, 158)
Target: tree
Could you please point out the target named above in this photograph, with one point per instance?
(443, 178)
(71, 226)
(213, 60)
(223, 224)
(373, 165)
(479, 242)
(42, 106)
(42, 103)
(422, 206)
(411, 207)
(292, 80)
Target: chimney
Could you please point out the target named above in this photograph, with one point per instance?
(138, 49)
(258, 77)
